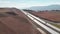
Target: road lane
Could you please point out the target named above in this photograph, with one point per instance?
(57, 29)
(42, 25)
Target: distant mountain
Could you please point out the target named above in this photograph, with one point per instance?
(50, 7)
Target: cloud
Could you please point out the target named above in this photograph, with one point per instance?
(24, 3)
(12, 4)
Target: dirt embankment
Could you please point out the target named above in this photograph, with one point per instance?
(13, 21)
(51, 16)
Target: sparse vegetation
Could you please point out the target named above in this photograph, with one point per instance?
(56, 25)
(2, 15)
(11, 13)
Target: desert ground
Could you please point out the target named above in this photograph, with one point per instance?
(53, 15)
(13, 21)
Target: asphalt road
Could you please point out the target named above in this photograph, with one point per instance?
(51, 29)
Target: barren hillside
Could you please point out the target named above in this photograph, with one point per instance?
(13, 21)
(49, 15)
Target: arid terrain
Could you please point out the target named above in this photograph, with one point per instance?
(49, 15)
(13, 21)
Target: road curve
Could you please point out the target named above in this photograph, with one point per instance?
(38, 21)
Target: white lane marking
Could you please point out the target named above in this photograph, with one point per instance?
(50, 30)
(45, 27)
(45, 22)
(40, 30)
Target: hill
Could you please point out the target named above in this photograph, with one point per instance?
(13, 21)
(43, 8)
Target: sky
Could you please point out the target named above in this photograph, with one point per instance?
(27, 3)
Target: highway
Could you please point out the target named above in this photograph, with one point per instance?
(48, 27)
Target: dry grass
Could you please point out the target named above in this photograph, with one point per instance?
(51, 16)
(56, 25)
